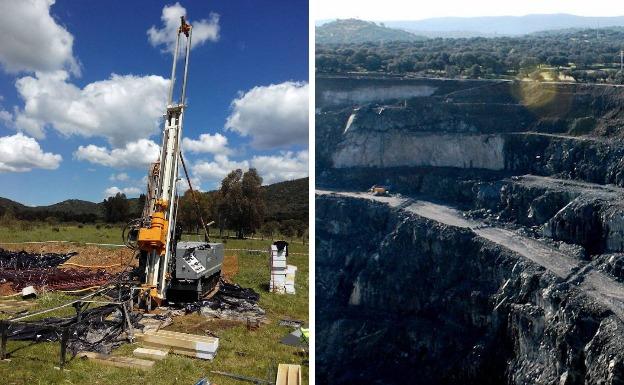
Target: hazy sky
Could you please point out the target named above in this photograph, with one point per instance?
(415, 10)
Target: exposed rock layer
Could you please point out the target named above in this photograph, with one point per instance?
(402, 298)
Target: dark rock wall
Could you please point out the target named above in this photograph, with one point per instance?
(401, 299)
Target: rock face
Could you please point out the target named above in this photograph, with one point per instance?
(392, 149)
(403, 299)
(406, 299)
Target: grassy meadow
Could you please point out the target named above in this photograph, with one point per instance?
(241, 351)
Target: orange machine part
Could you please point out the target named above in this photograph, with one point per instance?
(155, 236)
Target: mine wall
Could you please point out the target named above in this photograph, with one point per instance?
(404, 296)
(408, 299)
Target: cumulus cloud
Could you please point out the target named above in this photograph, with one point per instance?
(277, 168)
(122, 109)
(203, 30)
(215, 144)
(137, 154)
(183, 186)
(19, 153)
(128, 191)
(275, 116)
(287, 165)
(121, 177)
(217, 169)
(32, 40)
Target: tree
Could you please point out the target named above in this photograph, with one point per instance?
(138, 211)
(241, 203)
(116, 208)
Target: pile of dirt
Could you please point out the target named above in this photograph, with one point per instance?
(229, 267)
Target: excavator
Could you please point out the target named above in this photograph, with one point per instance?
(171, 270)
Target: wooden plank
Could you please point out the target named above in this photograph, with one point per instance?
(118, 361)
(183, 352)
(288, 374)
(282, 375)
(185, 341)
(182, 336)
(150, 354)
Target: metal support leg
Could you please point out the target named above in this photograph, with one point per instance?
(127, 323)
(64, 340)
(4, 332)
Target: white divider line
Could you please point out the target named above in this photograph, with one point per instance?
(116, 245)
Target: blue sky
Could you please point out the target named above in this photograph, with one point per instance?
(82, 93)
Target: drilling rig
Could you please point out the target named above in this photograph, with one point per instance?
(169, 269)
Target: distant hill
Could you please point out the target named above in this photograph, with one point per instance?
(284, 200)
(353, 31)
(76, 206)
(287, 200)
(489, 26)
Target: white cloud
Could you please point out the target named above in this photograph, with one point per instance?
(287, 165)
(203, 30)
(216, 170)
(215, 144)
(277, 168)
(19, 153)
(121, 177)
(137, 154)
(128, 191)
(32, 40)
(122, 109)
(275, 116)
(183, 184)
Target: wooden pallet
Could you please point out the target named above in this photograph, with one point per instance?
(117, 361)
(191, 345)
(288, 374)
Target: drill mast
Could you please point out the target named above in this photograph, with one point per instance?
(156, 236)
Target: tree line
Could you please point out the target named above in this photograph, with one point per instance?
(239, 205)
(588, 55)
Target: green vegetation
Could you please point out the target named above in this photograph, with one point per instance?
(353, 31)
(582, 55)
(286, 208)
(241, 351)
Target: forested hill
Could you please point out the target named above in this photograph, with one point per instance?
(581, 55)
(353, 31)
(284, 201)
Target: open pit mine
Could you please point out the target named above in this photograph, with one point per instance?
(495, 253)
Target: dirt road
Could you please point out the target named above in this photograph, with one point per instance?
(594, 283)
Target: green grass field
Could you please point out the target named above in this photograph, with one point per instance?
(250, 353)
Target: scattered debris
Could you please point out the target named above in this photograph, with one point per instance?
(292, 323)
(100, 329)
(288, 374)
(296, 338)
(117, 361)
(154, 322)
(231, 302)
(21, 260)
(181, 343)
(29, 292)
